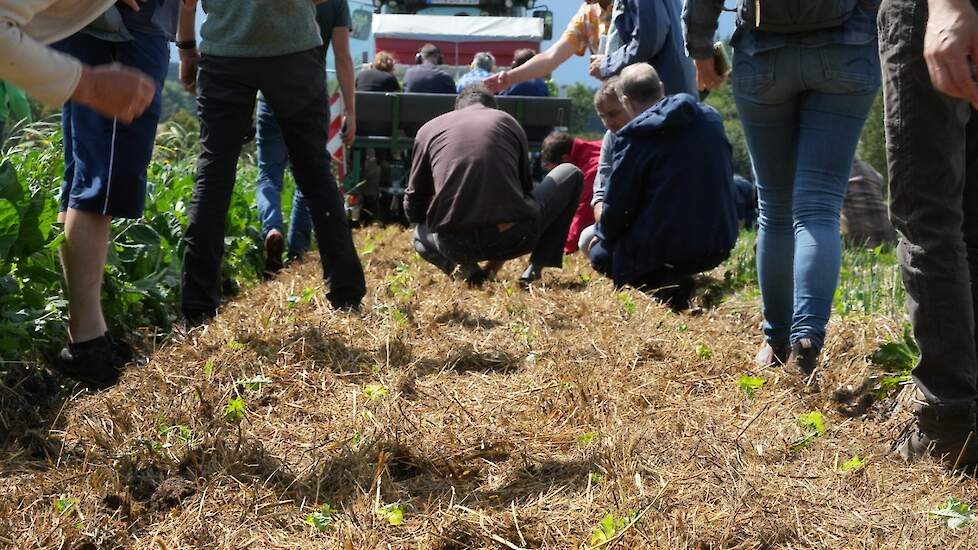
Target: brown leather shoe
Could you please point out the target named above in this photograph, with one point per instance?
(945, 432)
(274, 247)
(772, 356)
(804, 357)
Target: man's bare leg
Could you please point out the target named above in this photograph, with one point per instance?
(83, 259)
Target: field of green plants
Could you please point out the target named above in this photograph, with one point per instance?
(142, 280)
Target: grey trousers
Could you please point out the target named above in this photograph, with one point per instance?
(932, 153)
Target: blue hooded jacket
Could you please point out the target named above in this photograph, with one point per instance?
(670, 199)
(651, 31)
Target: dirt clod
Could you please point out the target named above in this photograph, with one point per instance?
(170, 493)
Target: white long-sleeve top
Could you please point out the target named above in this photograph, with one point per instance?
(25, 27)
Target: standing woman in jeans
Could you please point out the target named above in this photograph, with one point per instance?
(805, 74)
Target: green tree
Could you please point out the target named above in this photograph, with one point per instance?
(872, 144)
(176, 99)
(722, 100)
(582, 98)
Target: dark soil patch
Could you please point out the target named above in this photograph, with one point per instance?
(171, 493)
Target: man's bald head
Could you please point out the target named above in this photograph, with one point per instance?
(639, 88)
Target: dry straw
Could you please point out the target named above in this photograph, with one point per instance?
(489, 418)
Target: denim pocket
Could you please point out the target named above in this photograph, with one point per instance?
(850, 69)
(753, 74)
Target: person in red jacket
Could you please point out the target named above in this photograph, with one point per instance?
(559, 148)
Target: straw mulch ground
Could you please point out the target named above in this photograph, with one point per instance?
(493, 418)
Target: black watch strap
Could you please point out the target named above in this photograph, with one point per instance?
(186, 44)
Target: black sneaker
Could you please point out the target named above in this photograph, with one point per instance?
(945, 432)
(92, 363)
(122, 352)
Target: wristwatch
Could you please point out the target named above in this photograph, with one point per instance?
(186, 44)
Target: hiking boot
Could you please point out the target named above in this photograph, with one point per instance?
(92, 363)
(804, 357)
(274, 247)
(946, 432)
(772, 356)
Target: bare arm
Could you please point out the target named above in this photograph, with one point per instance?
(53, 77)
(538, 67)
(347, 79)
(189, 58)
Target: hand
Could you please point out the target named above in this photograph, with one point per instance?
(597, 63)
(115, 91)
(133, 4)
(706, 74)
(497, 82)
(952, 37)
(189, 60)
(349, 129)
(590, 245)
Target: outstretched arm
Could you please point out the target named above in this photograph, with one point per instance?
(53, 78)
(538, 67)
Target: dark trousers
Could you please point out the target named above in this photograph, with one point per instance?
(543, 238)
(294, 85)
(932, 152)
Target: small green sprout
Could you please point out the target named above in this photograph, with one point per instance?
(854, 463)
(627, 303)
(704, 352)
(208, 369)
(587, 438)
(234, 345)
(812, 425)
(750, 384)
(64, 505)
(307, 295)
(956, 513)
(595, 478)
(322, 518)
(235, 411)
(610, 527)
(374, 392)
(255, 383)
(393, 513)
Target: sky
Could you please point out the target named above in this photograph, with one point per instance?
(574, 70)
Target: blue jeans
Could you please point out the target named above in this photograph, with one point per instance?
(272, 160)
(802, 110)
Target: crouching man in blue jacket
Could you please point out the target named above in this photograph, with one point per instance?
(669, 209)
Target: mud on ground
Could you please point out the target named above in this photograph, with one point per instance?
(491, 418)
